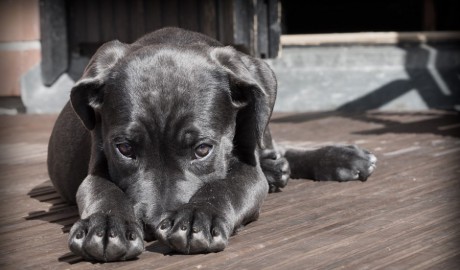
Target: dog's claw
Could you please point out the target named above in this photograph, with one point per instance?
(194, 229)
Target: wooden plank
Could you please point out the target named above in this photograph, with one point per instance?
(107, 20)
(93, 23)
(274, 27)
(170, 13)
(152, 15)
(225, 21)
(121, 22)
(77, 24)
(244, 26)
(188, 15)
(404, 217)
(208, 17)
(262, 29)
(137, 26)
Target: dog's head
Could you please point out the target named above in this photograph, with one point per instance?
(167, 119)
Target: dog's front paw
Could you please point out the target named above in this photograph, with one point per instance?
(194, 229)
(105, 237)
(276, 169)
(344, 163)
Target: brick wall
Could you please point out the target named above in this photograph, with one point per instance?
(19, 42)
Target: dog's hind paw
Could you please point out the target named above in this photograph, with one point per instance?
(276, 169)
(194, 229)
(103, 237)
(344, 163)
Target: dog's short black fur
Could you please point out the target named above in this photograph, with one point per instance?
(167, 139)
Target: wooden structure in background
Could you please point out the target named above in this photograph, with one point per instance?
(251, 26)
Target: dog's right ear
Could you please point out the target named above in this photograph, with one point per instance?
(86, 95)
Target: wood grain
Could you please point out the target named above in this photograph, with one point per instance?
(406, 216)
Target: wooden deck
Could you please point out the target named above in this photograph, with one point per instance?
(406, 216)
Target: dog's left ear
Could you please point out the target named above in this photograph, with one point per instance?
(253, 88)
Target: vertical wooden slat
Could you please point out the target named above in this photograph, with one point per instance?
(188, 15)
(107, 20)
(121, 21)
(152, 15)
(208, 17)
(274, 27)
(252, 26)
(241, 15)
(93, 24)
(262, 28)
(170, 13)
(225, 21)
(78, 24)
(137, 28)
(244, 38)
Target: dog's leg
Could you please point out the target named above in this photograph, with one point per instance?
(108, 229)
(336, 163)
(274, 165)
(205, 223)
(68, 154)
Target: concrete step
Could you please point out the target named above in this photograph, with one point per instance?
(357, 77)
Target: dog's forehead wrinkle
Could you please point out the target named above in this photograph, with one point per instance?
(173, 61)
(165, 111)
(169, 79)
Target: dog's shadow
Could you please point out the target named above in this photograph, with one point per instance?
(59, 212)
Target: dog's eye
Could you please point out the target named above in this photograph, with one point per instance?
(126, 150)
(203, 150)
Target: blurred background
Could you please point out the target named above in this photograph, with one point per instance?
(355, 55)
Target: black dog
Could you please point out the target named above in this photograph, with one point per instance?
(167, 139)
